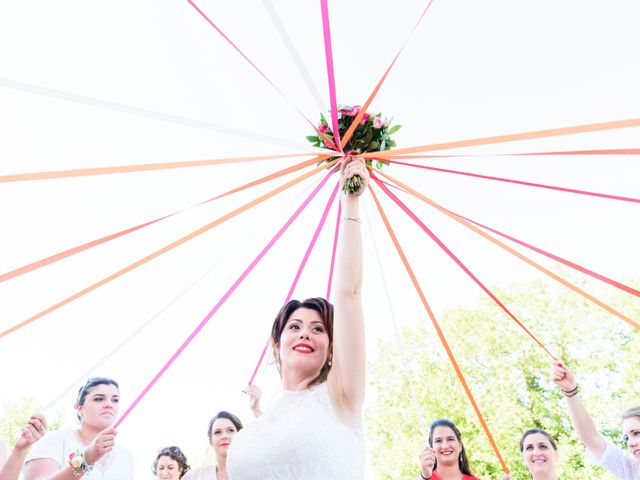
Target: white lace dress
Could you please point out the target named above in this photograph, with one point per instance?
(299, 437)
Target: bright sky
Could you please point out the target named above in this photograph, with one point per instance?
(472, 69)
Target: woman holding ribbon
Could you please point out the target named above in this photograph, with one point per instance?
(600, 450)
(92, 449)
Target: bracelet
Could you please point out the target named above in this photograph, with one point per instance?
(78, 464)
(425, 478)
(570, 393)
(353, 219)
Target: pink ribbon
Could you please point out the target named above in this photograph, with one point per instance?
(459, 263)
(303, 263)
(224, 298)
(334, 250)
(521, 182)
(330, 73)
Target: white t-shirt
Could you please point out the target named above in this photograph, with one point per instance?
(616, 461)
(202, 473)
(58, 445)
(298, 437)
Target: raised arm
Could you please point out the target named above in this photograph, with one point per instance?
(31, 433)
(347, 375)
(580, 418)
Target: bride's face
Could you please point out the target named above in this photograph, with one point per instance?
(304, 343)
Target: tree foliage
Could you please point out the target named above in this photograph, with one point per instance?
(509, 377)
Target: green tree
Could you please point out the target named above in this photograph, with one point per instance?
(508, 374)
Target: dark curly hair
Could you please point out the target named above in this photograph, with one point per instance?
(175, 454)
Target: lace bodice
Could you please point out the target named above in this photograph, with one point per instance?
(299, 437)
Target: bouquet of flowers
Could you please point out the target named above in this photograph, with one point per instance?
(373, 134)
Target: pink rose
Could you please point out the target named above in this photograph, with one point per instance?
(323, 128)
(355, 110)
(365, 117)
(346, 111)
(377, 122)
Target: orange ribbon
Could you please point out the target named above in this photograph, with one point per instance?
(439, 331)
(167, 248)
(512, 137)
(85, 172)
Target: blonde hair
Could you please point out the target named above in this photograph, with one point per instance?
(631, 412)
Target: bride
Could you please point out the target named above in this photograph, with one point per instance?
(314, 429)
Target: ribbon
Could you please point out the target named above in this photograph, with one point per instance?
(439, 332)
(356, 121)
(517, 254)
(143, 112)
(404, 362)
(553, 132)
(80, 248)
(296, 278)
(326, 28)
(557, 258)
(459, 262)
(224, 298)
(334, 249)
(286, 39)
(520, 182)
(193, 4)
(164, 249)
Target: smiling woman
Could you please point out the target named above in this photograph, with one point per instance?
(314, 429)
(445, 458)
(540, 453)
(67, 455)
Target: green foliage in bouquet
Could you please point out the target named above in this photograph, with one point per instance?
(373, 134)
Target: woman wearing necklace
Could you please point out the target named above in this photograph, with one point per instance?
(91, 451)
(314, 429)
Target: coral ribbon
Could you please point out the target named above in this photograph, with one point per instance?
(356, 121)
(224, 298)
(512, 137)
(165, 249)
(439, 331)
(517, 254)
(80, 248)
(303, 263)
(144, 167)
(459, 262)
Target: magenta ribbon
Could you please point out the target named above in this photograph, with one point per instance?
(459, 263)
(520, 182)
(330, 73)
(564, 261)
(303, 263)
(334, 250)
(224, 298)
